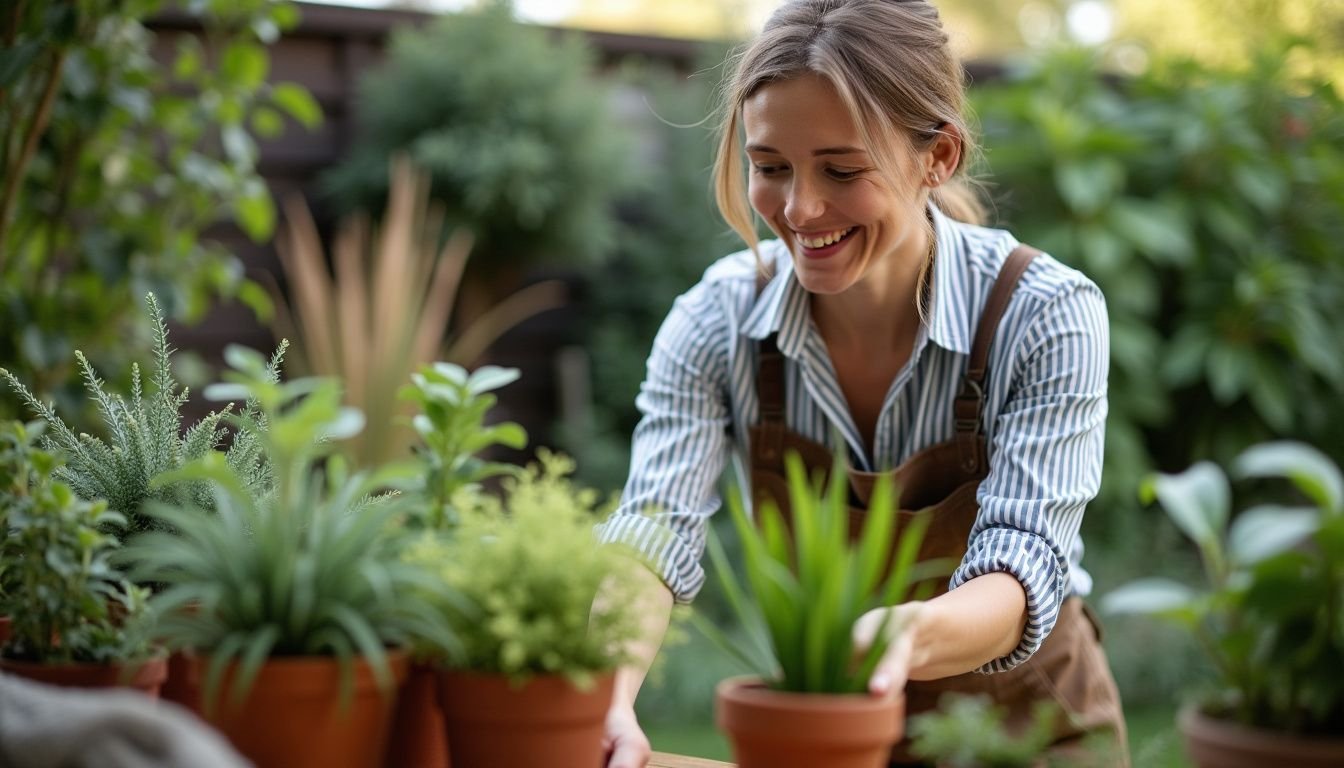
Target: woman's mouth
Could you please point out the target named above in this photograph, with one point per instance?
(822, 245)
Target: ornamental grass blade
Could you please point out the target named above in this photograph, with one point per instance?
(748, 613)
(875, 540)
(907, 553)
(803, 510)
(255, 653)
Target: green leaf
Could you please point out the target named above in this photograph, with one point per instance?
(1156, 228)
(244, 65)
(1150, 596)
(256, 214)
(1264, 531)
(490, 377)
(1197, 500)
(298, 103)
(1087, 185)
(1309, 469)
(17, 58)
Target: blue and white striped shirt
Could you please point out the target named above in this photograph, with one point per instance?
(1044, 420)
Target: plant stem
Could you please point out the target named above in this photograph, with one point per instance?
(36, 126)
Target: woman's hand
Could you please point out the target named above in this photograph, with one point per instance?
(625, 744)
(893, 670)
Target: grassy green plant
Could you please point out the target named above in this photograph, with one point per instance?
(66, 601)
(452, 407)
(809, 585)
(1271, 617)
(145, 437)
(312, 568)
(531, 567)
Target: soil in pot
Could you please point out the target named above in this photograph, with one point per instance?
(1217, 743)
(772, 729)
(146, 676)
(546, 721)
(293, 717)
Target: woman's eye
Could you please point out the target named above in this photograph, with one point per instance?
(767, 170)
(843, 174)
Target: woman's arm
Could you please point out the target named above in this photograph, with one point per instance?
(625, 743)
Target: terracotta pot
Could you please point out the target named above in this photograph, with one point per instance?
(546, 721)
(770, 729)
(182, 686)
(144, 676)
(292, 716)
(418, 737)
(1215, 743)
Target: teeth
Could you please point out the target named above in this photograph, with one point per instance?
(824, 240)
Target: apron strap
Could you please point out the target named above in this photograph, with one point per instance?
(969, 405)
(769, 383)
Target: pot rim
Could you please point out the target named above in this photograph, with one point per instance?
(753, 689)
(1195, 716)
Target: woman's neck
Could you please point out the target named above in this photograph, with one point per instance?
(879, 312)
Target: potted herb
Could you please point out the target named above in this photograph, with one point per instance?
(74, 620)
(1271, 614)
(303, 603)
(451, 407)
(808, 703)
(145, 437)
(535, 681)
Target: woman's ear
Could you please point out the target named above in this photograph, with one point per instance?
(943, 156)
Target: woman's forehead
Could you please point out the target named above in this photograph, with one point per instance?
(803, 113)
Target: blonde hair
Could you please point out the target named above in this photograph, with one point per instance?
(891, 65)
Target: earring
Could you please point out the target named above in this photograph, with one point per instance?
(934, 179)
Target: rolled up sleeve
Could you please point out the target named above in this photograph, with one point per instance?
(679, 448)
(1045, 460)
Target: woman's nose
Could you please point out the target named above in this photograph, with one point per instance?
(804, 203)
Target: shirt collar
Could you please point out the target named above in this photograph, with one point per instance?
(783, 308)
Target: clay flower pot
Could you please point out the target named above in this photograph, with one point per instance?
(1216, 743)
(772, 729)
(418, 737)
(546, 721)
(144, 676)
(293, 718)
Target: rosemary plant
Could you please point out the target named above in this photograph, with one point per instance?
(145, 437)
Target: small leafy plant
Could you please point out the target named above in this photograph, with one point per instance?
(145, 437)
(969, 732)
(313, 568)
(530, 567)
(451, 422)
(67, 603)
(808, 587)
(1271, 617)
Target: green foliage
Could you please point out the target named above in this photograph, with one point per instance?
(969, 732)
(1206, 205)
(451, 421)
(809, 585)
(145, 437)
(114, 166)
(1272, 616)
(66, 602)
(531, 569)
(313, 568)
(667, 233)
(509, 124)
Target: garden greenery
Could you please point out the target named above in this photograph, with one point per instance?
(66, 601)
(452, 405)
(312, 568)
(809, 585)
(1271, 617)
(145, 437)
(531, 568)
(115, 164)
(511, 127)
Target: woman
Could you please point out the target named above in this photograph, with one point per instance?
(929, 344)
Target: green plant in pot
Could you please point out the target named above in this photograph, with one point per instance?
(1271, 616)
(301, 605)
(75, 620)
(145, 437)
(540, 652)
(806, 587)
(451, 406)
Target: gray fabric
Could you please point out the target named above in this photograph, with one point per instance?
(46, 727)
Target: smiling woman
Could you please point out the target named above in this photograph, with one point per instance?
(883, 324)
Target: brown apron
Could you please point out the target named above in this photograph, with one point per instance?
(1070, 668)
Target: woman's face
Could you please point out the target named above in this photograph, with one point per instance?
(817, 187)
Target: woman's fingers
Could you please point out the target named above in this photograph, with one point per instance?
(893, 670)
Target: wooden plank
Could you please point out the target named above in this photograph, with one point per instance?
(665, 760)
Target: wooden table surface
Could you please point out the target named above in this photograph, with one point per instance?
(664, 760)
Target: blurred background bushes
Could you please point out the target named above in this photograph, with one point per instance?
(115, 168)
